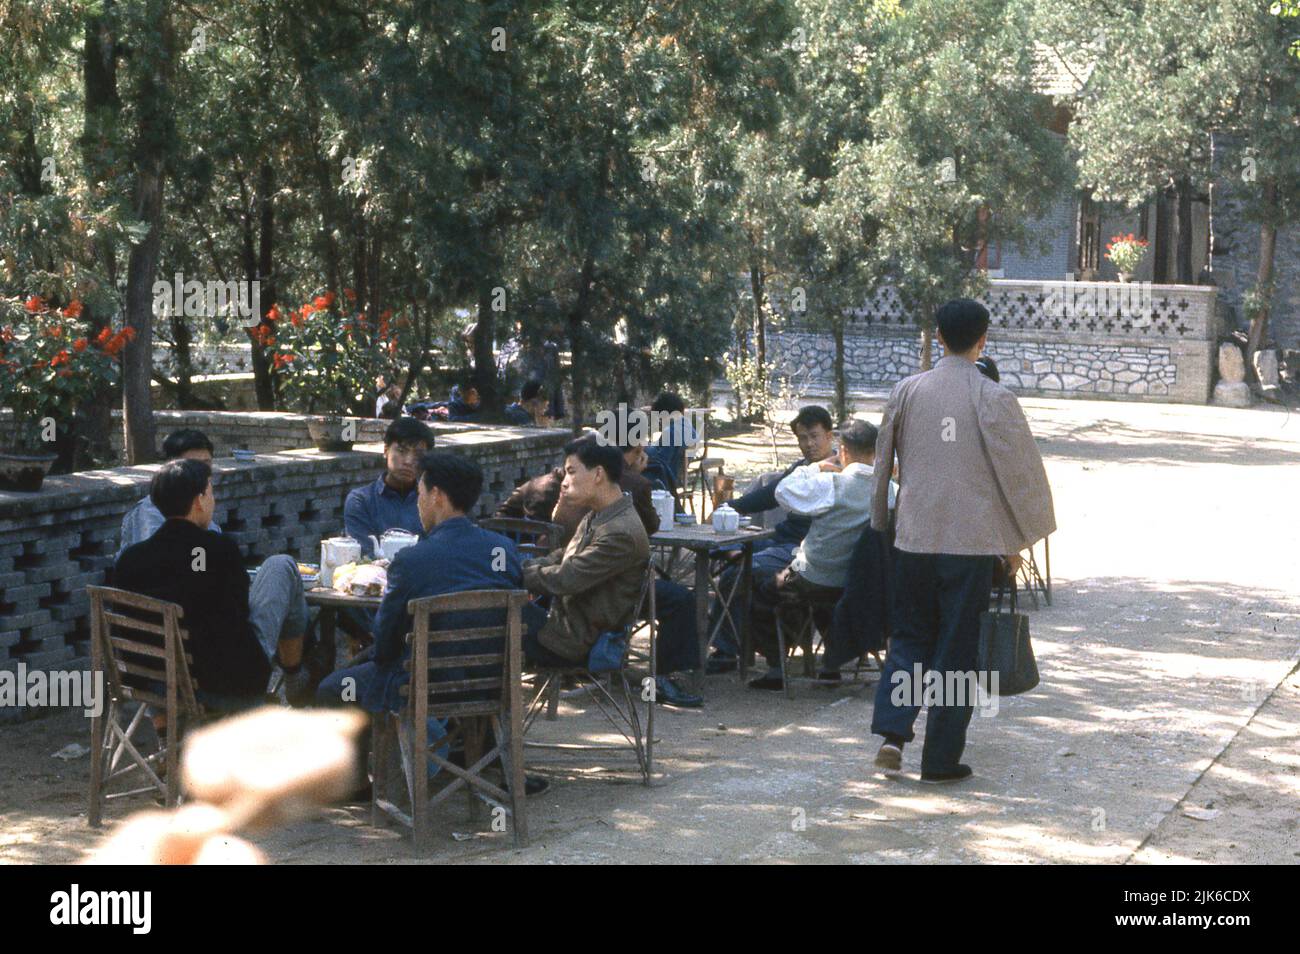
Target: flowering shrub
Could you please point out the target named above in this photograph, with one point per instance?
(1126, 251)
(328, 360)
(49, 362)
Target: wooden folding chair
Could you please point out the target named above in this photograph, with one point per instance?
(618, 703)
(532, 538)
(470, 674)
(138, 643)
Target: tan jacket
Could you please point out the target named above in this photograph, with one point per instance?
(971, 479)
(595, 581)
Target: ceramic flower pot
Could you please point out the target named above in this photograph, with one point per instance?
(24, 472)
(1125, 276)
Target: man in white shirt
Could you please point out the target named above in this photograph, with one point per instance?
(837, 497)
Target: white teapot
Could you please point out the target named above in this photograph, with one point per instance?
(334, 552)
(392, 542)
(725, 519)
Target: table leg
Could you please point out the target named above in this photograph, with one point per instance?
(702, 613)
(746, 584)
(328, 629)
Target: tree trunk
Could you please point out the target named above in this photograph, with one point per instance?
(577, 325)
(841, 385)
(1185, 276)
(268, 396)
(1160, 247)
(1263, 280)
(485, 369)
(927, 347)
(184, 362)
(153, 111)
(102, 109)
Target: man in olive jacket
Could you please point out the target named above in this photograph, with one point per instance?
(595, 582)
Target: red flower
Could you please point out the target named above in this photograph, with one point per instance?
(54, 331)
(65, 373)
(35, 304)
(61, 358)
(324, 301)
(386, 314)
(392, 346)
(105, 333)
(349, 294)
(6, 334)
(79, 345)
(280, 360)
(273, 314)
(72, 309)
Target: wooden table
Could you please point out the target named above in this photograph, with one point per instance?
(330, 602)
(701, 539)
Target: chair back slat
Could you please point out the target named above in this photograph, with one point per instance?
(140, 637)
(456, 662)
(438, 687)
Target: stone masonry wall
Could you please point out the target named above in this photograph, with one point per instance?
(1052, 339)
(56, 542)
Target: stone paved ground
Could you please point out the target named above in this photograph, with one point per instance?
(1169, 685)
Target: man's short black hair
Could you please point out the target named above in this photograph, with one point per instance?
(669, 402)
(460, 479)
(860, 436)
(962, 322)
(989, 368)
(530, 390)
(186, 439)
(408, 429)
(593, 453)
(810, 415)
(176, 485)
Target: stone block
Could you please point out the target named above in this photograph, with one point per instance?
(1232, 366)
(1232, 394)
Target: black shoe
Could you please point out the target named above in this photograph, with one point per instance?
(767, 682)
(956, 774)
(668, 693)
(830, 677)
(717, 664)
(533, 785)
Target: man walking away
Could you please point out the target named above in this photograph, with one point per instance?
(971, 488)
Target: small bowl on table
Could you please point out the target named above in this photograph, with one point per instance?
(243, 456)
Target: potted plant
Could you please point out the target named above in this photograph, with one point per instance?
(49, 362)
(327, 361)
(1126, 252)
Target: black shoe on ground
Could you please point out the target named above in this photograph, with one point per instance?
(830, 677)
(956, 774)
(767, 682)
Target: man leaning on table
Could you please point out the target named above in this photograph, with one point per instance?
(972, 488)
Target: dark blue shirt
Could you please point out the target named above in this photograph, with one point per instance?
(454, 557)
(376, 507)
(517, 414)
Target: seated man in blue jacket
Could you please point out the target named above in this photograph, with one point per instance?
(389, 501)
(815, 433)
(455, 555)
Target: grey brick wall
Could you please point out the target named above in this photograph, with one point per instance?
(56, 542)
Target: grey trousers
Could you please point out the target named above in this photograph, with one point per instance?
(277, 608)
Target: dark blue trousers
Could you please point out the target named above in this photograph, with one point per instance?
(938, 599)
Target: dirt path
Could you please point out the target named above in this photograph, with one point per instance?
(1165, 662)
